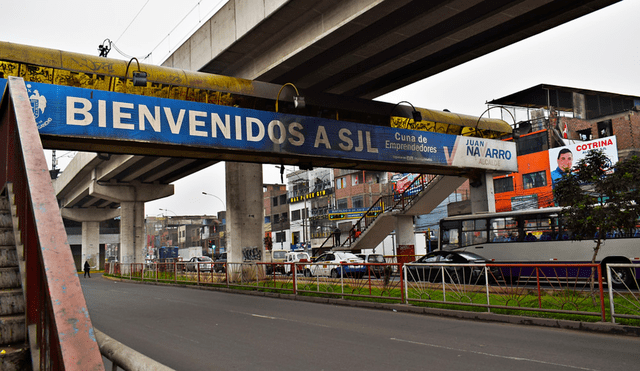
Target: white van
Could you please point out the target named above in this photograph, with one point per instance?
(296, 257)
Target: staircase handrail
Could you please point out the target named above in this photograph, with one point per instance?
(56, 311)
(405, 200)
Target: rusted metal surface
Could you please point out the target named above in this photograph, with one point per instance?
(55, 302)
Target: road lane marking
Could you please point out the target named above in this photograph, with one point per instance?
(493, 355)
(267, 317)
(280, 319)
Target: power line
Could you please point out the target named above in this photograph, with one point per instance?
(130, 23)
(216, 7)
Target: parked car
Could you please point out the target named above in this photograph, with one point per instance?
(374, 270)
(220, 263)
(296, 257)
(330, 264)
(456, 274)
(192, 264)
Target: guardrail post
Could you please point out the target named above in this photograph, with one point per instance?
(538, 284)
(486, 283)
(404, 293)
(444, 291)
(604, 317)
(368, 266)
(294, 272)
(341, 280)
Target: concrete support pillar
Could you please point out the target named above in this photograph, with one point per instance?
(131, 198)
(132, 244)
(90, 218)
(404, 231)
(244, 209)
(482, 196)
(91, 244)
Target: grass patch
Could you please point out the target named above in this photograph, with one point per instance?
(518, 301)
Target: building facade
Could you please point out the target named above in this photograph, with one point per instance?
(554, 117)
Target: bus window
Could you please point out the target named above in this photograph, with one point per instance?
(537, 229)
(504, 229)
(474, 232)
(450, 238)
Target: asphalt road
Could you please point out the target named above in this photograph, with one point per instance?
(192, 329)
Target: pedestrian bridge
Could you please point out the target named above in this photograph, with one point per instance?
(105, 117)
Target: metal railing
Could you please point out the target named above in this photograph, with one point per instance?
(123, 357)
(557, 288)
(60, 329)
(624, 299)
(505, 288)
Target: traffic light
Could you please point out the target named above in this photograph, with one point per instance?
(268, 244)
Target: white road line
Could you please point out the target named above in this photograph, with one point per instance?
(281, 319)
(493, 355)
(268, 317)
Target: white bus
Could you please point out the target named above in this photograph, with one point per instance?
(537, 236)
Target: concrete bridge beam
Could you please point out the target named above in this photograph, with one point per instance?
(482, 194)
(90, 218)
(130, 192)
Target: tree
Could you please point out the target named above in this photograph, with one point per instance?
(599, 199)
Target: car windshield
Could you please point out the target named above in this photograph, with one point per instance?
(205, 259)
(376, 259)
(279, 254)
(345, 256)
(302, 256)
(471, 256)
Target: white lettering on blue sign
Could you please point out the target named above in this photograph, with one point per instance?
(77, 112)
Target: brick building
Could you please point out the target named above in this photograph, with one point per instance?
(550, 116)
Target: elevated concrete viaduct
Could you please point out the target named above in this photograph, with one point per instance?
(351, 48)
(354, 48)
(96, 187)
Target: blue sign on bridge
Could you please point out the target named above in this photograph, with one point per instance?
(76, 112)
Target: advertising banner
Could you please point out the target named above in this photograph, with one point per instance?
(563, 159)
(85, 113)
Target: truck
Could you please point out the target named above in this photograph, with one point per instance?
(275, 256)
(186, 253)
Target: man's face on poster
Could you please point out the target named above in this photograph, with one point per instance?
(565, 161)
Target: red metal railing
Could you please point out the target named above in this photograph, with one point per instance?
(519, 288)
(55, 306)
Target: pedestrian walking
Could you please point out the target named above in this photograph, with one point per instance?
(87, 269)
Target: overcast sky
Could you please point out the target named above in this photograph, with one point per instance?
(600, 51)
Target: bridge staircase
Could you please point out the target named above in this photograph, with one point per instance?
(14, 347)
(44, 319)
(423, 195)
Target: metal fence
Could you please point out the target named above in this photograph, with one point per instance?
(562, 289)
(624, 300)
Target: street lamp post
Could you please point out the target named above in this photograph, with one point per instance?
(166, 222)
(219, 199)
(225, 209)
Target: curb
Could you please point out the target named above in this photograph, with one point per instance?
(596, 327)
